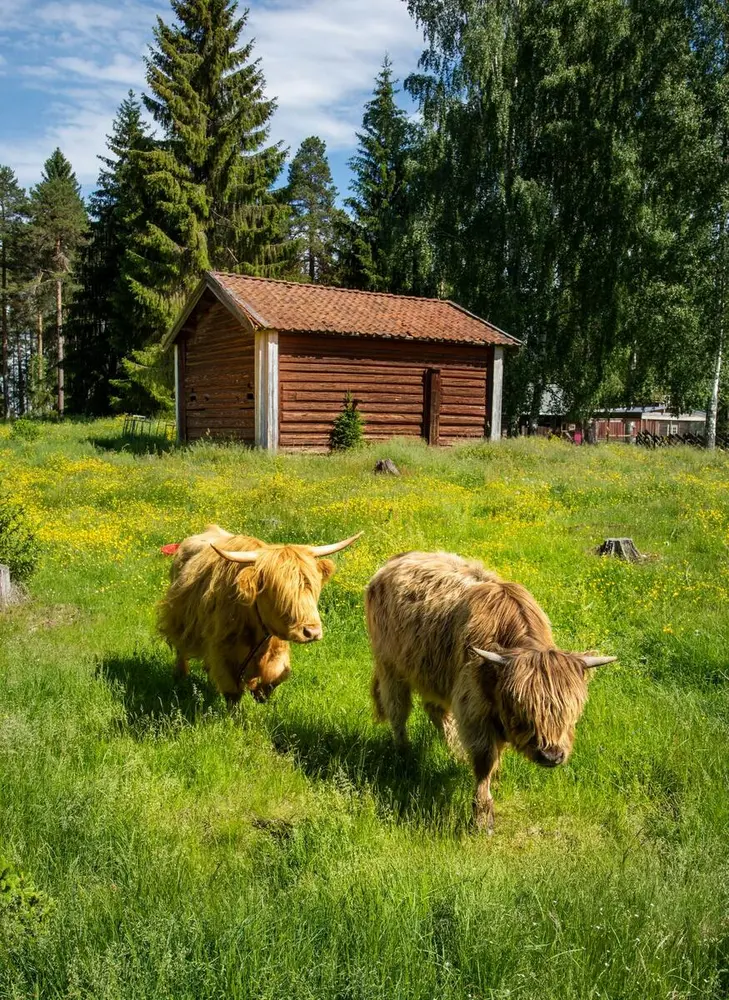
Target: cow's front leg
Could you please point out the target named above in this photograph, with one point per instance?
(485, 762)
(225, 676)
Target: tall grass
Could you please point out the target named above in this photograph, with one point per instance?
(287, 850)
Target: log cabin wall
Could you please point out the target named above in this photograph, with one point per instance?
(217, 373)
(389, 378)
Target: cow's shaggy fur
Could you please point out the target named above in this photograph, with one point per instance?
(425, 614)
(239, 619)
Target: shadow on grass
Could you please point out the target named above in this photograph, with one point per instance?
(422, 783)
(154, 697)
(134, 445)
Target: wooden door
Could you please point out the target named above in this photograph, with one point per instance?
(431, 407)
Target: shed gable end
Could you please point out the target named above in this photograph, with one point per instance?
(216, 374)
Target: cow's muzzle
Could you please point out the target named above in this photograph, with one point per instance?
(311, 633)
(550, 757)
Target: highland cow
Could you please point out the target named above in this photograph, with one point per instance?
(235, 603)
(480, 653)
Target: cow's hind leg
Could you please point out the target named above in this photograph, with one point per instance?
(393, 702)
(182, 666)
(446, 726)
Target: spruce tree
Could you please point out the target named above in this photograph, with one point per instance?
(208, 182)
(380, 205)
(13, 207)
(106, 321)
(59, 223)
(312, 196)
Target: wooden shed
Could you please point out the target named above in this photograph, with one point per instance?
(269, 363)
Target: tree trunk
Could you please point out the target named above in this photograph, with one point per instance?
(536, 408)
(4, 321)
(59, 339)
(21, 379)
(713, 411)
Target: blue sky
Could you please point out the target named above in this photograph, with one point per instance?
(65, 66)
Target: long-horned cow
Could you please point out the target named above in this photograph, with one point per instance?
(479, 651)
(236, 602)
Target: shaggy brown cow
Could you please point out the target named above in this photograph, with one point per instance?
(236, 603)
(476, 646)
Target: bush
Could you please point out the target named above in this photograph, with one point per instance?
(23, 909)
(25, 430)
(18, 546)
(348, 427)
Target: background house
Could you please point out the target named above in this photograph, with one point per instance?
(269, 363)
(617, 424)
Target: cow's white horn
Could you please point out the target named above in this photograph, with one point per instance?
(319, 551)
(246, 558)
(597, 661)
(487, 654)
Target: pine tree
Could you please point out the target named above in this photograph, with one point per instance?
(312, 197)
(59, 222)
(106, 322)
(13, 206)
(380, 204)
(208, 182)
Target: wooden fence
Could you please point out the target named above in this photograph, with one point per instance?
(648, 440)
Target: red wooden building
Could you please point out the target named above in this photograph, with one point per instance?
(269, 363)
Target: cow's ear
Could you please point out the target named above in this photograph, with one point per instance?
(247, 584)
(326, 568)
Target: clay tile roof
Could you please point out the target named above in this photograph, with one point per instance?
(297, 308)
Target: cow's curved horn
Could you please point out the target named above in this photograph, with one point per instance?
(597, 661)
(487, 654)
(246, 558)
(319, 551)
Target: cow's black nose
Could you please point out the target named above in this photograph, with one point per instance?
(313, 632)
(550, 757)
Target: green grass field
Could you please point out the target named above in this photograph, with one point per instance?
(286, 851)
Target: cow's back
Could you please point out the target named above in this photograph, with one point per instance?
(417, 616)
(198, 607)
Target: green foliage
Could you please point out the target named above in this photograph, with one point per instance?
(24, 910)
(25, 430)
(19, 548)
(348, 427)
(380, 248)
(312, 197)
(57, 231)
(13, 209)
(575, 180)
(147, 385)
(107, 321)
(207, 183)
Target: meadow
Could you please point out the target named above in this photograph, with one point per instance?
(286, 850)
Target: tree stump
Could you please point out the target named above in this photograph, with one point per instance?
(387, 467)
(5, 587)
(621, 548)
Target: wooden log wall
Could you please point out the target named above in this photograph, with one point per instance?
(391, 380)
(217, 374)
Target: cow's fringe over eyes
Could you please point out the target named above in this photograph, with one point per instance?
(546, 687)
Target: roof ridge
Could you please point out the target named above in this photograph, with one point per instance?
(349, 291)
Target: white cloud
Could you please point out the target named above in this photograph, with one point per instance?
(318, 64)
(122, 69)
(319, 58)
